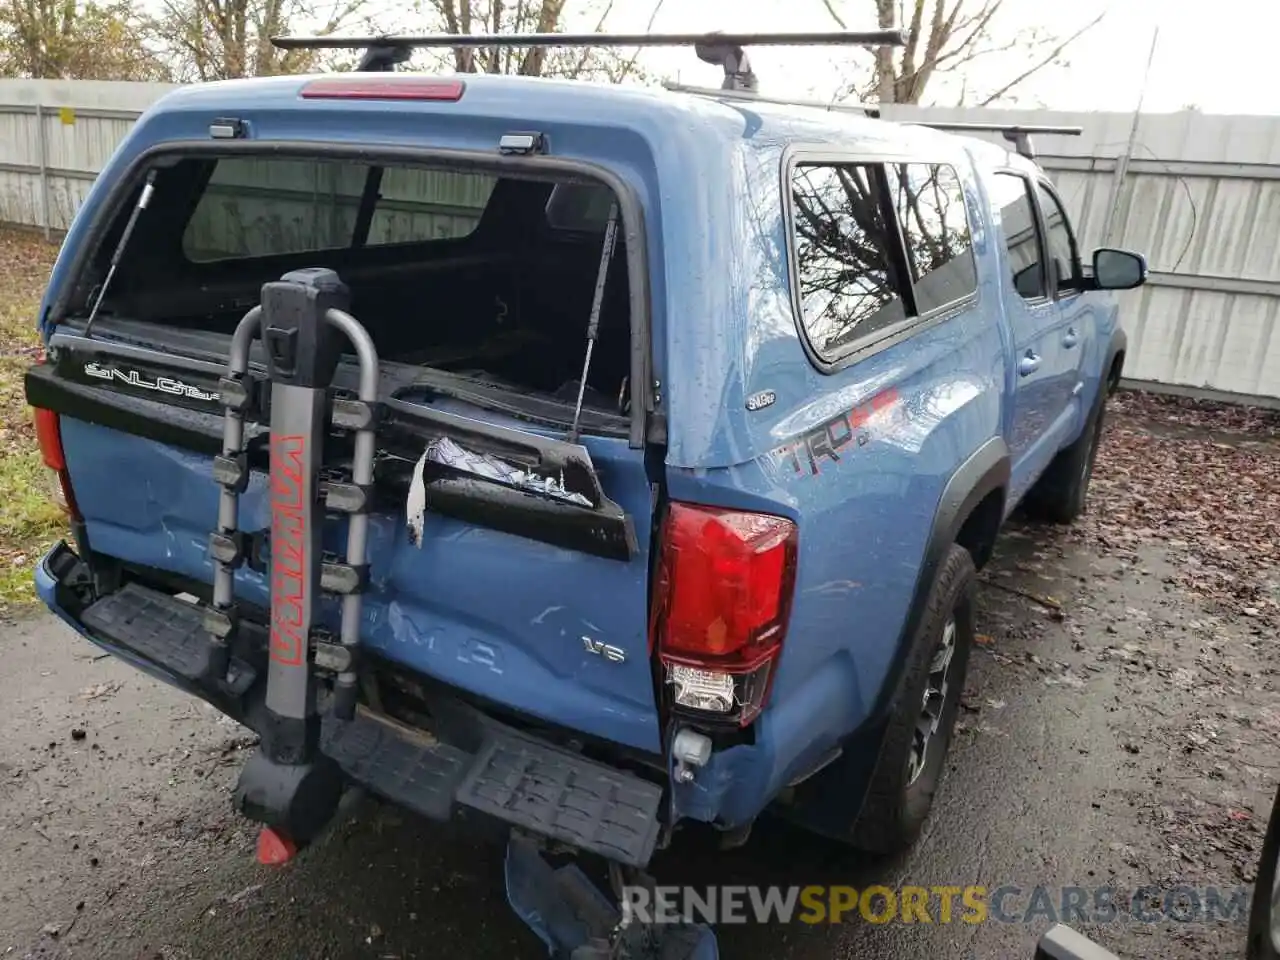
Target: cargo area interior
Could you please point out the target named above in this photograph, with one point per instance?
(484, 276)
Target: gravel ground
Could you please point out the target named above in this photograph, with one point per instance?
(1119, 730)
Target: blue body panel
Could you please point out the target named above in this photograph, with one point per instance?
(709, 178)
(501, 634)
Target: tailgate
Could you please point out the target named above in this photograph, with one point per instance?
(534, 601)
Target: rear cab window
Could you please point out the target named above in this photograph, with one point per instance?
(878, 248)
(252, 207)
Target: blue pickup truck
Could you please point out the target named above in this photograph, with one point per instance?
(598, 460)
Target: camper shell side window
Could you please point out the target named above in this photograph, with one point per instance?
(878, 248)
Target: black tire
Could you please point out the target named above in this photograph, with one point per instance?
(1059, 496)
(1261, 945)
(900, 794)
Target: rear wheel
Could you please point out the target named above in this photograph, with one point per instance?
(1060, 494)
(907, 774)
(1264, 916)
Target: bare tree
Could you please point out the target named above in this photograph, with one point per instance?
(950, 36)
(224, 39)
(63, 39)
(534, 16)
(227, 39)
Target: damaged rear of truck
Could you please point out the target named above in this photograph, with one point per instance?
(585, 459)
(353, 388)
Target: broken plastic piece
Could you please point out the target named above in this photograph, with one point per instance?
(575, 919)
(447, 453)
(275, 848)
(415, 504)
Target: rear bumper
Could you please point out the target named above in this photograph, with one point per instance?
(793, 739)
(468, 759)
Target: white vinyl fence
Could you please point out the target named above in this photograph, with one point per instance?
(1198, 194)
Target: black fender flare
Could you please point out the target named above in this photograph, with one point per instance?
(833, 800)
(986, 470)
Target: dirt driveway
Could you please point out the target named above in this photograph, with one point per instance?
(1120, 730)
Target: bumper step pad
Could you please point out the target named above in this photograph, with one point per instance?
(407, 767)
(513, 778)
(163, 629)
(566, 797)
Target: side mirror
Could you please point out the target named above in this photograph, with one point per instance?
(1118, 269)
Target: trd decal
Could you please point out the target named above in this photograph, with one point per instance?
(157, 384)
(288, 565)
(827, 439)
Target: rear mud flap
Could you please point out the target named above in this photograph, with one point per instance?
(577, 921)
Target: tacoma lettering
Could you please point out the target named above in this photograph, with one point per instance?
(288, 564)
(157, 384)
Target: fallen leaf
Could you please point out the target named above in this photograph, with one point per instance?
(100, 690)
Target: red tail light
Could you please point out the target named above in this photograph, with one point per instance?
(49, 436)
(722, 598)
(394, 87)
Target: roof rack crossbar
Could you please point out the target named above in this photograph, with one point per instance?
(724, 49)
(1017, 134)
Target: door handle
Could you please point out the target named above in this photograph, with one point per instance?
(1028, 364)
(1070, 340)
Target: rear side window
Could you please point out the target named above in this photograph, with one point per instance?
(929, 202)
(1011, 199)
(1061, 240)
(264, 207)
(849, 282)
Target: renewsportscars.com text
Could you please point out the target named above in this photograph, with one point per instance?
(970, 904)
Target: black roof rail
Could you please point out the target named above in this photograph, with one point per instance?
(1017, 134)
(723, 49)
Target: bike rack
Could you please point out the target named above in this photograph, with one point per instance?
(288, 783)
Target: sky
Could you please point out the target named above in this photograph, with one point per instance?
(1220, 57)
